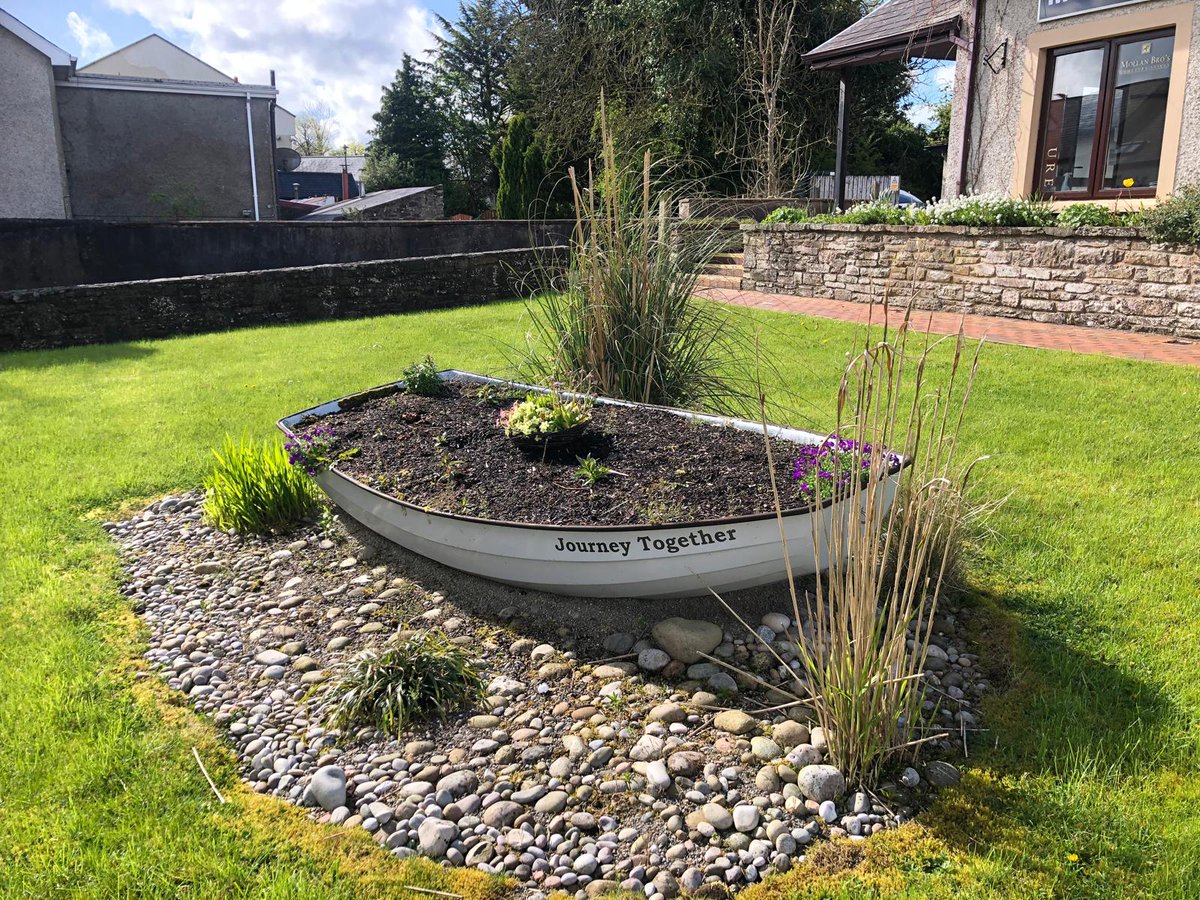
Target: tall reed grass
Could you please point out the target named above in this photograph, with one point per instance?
(624, 320)
(889, 546)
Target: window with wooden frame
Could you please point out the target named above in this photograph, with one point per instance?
(1103, 115)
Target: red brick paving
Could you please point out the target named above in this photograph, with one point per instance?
(1071, 338)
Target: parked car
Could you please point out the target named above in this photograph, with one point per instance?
(902, 198)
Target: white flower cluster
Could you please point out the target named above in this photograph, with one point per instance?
(989, 209)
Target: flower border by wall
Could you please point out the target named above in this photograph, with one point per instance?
(1093, 277)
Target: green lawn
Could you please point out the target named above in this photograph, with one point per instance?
(1086, 785)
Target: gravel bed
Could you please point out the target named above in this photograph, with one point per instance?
(597, 760)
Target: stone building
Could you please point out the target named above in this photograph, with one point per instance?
(1077, 100)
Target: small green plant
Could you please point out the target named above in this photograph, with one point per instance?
(254, 488)
(422, 379)
(1177, 219)
(1087, 215)
(787, 215)
(591, 471)
(880, 212)
(543, 414)
(422, 677)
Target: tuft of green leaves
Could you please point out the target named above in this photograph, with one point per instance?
(1087, 215)
(422, 677)
(591, 471)
(421, 378)
(253, 488)
(1176, 220)
(541, 414)
(786, 215)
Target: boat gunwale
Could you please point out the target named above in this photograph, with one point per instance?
(331, 407)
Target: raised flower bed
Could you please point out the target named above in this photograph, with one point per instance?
(646, 502)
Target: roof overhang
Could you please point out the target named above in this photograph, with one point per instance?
(58, 56)
(899, 29)
(170, 86)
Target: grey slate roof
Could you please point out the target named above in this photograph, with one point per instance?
(895, 30)
(366, 201)
(332, 165)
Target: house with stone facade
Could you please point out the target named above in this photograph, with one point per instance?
(1077, 100)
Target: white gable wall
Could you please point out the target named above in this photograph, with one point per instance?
(155, 57)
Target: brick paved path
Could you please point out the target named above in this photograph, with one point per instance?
(1072, 338)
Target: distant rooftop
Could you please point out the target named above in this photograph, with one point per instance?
(366, 201)
(332, 164)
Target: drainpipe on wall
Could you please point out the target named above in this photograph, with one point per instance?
(253, 167)
(964, 148)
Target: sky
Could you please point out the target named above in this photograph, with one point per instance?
(336, 53)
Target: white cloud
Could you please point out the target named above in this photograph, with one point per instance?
(943, 77)
(921, 114)
(334, 52)
(93, 42)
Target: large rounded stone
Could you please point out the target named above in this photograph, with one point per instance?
(717, 816)
(459, 784)
(502, 813)
(686, 639)
(788, 734)
(653, 660)
(328, 787)
(435, 837)
(821, 783)
(734, 721)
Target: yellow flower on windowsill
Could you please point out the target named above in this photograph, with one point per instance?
(1128, 182)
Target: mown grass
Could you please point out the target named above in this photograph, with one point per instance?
(1086, 784)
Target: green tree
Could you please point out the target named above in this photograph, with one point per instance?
(470, 70)
(409, 127)
(940, 132)
(384, 170)
(522, 168)
(314, 131)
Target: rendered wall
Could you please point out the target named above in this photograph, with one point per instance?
(32, 181)
(145, 156)
(1004, 132)
(45, 254)
(1106, 277)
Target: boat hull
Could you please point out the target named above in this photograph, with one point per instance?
(649, 561)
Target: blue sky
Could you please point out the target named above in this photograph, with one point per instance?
(333, 52)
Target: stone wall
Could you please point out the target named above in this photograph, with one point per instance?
(1104, 277)
(425, 204)
(46, 253)
(93, 314)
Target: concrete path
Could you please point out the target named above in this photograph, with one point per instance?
(1072, 338)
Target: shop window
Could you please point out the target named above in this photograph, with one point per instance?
(1103, 117)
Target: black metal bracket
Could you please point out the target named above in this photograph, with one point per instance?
(1003, 51)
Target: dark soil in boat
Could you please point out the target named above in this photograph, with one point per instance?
(448, 453)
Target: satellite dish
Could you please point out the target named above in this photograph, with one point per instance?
(286, 159)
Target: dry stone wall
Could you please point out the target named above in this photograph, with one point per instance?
(1099, 277)
(132, 310)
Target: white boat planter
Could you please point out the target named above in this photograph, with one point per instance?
(678, 560)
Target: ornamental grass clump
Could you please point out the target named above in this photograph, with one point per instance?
(623, 319)
(422, 677)
(254, 488)
(887, 546)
